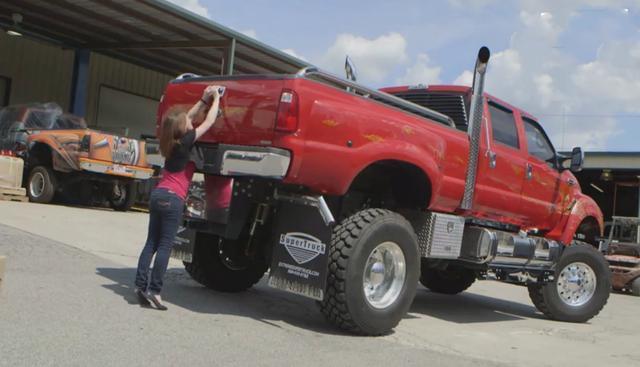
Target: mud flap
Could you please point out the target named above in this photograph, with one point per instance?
(300, 251)
(183, 244)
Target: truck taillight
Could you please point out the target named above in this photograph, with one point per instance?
(287, 117)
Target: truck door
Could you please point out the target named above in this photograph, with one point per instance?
(542, 178)
(501, 168)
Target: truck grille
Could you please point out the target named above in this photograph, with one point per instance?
(451, 105)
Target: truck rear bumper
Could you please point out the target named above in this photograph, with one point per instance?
(113, 169)
(239, 160)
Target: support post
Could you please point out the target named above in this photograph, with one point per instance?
(80, 82)
(229, 57)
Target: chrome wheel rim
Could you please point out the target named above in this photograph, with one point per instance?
(576, 284)
(384, 275)
(36, 186)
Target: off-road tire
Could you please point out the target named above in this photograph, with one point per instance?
(547, 300)
(50, 185)
(635, 287)
(129, 199)
(209, 269)
(345, 304)
(453, 280)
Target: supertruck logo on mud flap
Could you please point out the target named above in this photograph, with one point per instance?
(302, 247)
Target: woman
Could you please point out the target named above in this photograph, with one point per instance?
(167, 200)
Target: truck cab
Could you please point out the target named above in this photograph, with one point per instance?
(519, 166)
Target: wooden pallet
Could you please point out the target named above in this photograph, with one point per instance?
(13, 194)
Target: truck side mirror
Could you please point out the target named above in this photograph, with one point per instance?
(350, 69)
(577, 159)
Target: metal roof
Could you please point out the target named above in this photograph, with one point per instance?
(612, 160)
(152, 33)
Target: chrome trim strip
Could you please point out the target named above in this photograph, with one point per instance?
(252, 163)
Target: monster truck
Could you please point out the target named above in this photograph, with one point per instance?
(62, 155)
(351, 196)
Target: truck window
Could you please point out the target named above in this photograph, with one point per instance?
(452, 105)
(503, 125)
(537, 143)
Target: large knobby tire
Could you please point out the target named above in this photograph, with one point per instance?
(42, 185)
(123, 196)
(362, 251)
(635, 287)
(216, 271)
(453, 280)
(565, 299)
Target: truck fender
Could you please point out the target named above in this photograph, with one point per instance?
(425, 163)
(61, 159)
(582, 207)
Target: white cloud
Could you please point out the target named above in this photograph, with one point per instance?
(374, 58)
(193, 6)
(614, 77)
(422, 72)
(250, 33)
(466, 78)
(293, 53)
(575, 101)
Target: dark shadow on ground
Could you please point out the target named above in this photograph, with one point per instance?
(466, 308)
(266, 305)
(260, 303)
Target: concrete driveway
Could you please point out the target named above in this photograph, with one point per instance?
(67, 301)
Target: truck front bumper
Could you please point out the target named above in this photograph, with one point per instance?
(239, 160)
(114, 169)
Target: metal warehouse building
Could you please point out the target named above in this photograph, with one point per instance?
(109, 60)
(612, 179)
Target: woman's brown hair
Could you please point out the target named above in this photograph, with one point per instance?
(173, 128)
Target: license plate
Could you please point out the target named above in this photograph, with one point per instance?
(119, 169)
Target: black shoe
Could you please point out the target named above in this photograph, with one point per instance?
(141, 297)
(156, 301)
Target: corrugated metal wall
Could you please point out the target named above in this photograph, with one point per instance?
(38, 72)
(107, 71)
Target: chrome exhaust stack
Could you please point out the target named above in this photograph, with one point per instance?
(475, 126)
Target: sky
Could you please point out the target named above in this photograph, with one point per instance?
(574, 64)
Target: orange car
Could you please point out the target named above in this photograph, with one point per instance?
(63, 156)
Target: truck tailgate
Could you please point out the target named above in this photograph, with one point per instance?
(248, 106)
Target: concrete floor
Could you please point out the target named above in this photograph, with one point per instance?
(67, 300)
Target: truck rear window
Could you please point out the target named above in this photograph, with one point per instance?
(452, 105)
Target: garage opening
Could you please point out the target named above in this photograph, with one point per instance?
(125, 113)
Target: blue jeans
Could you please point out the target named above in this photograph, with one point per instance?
(165, 214)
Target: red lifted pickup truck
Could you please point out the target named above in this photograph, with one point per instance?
(351, 196)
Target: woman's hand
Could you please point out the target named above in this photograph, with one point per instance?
(211, 93)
